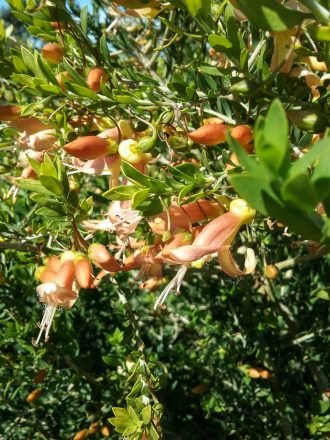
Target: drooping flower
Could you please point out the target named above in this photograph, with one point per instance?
(215, 238)
(217, 235)
(61, 292)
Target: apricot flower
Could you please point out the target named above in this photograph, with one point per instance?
(62, 291)
(217, 235)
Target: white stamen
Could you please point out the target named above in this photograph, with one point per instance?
(173, 286)
(45, 324)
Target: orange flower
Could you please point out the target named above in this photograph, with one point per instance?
(9, 112)
(91, 147)
(215, 237)
(53, 53)
(184, 216)
(217, 234)
(94, 77)
(101, 257)
(210, 134)
(61, 291)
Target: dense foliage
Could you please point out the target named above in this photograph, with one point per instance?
(150, 148)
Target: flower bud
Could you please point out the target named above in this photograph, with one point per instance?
(210, 134)
(10, 112)
(84, 272)
(242, 133)
(28, 173)
(100, 255)
(271, 272)
(91, 147)
(66, 274)
(105, 431)
(94, 78)
(53, 53)
(81, 435)
(33, 396)
(94, 427)
(212, 120)
(128, 151)
(253, 373)
(29, 126)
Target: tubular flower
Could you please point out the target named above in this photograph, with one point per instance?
(102, 258)
(29, 125)
(94, 77)
(61, 277)
(102, 166)
(42, 140)
(61, 291)
(184, 216)
(91, 147)
(53, 53)
(210, 134)
(217, 235)
(10, 112)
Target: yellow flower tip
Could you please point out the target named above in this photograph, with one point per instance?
(240, 208)
(68, 256)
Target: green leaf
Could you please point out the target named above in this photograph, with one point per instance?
(146, 414)
(153, 433)
(48, 168)
(210, 70)
(120, 412)
(73, 74)
(133, 174)
(185, 190)
(200, 7)
(124, 192)
(323, 294)
(35, 165)
(47, 212)
(33, 185)
(47, 201)
(270, 15)
(82, 91)
(271, 145)
(52, 184)
(151, 206)
(28, 59)
(299, 190)
(104, 48)
(219, 43)
(321, 176)
(84, 18)
(139, 197)
(133, 414)
(252, 187)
